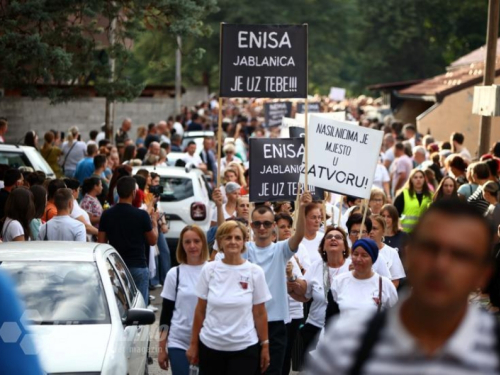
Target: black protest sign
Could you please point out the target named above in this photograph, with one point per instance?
(275, 166)
(274, 112)
(296, 132)
(263, 61)
(311, 107)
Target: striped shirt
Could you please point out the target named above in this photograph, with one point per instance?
(471, 349)
(477, 200)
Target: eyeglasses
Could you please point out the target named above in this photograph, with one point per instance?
(338, 237)
(266, 224)
(356, 232)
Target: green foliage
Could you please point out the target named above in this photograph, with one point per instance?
(352, 43)
(66, 42)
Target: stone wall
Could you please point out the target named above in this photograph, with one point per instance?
(25, 114)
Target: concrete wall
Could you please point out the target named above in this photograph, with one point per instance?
(25, 114)
(409, 110)
(454, 114)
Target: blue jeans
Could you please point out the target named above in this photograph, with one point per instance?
(70, 173)
(178, 361)
(163, 262)
(141, 279)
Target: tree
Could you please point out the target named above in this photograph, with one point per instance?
(67, 43)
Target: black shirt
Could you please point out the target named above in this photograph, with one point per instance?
(126, 226)
(151, 138)
(4, 194)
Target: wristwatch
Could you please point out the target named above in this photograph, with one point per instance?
(292, 279)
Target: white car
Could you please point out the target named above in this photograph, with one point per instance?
(85, 312)
(185, 199)
(24, 156)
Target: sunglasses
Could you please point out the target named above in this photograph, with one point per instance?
(266, 224)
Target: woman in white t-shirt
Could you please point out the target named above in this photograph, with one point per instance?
(313, 236)
(388, 254)
(362, 289)
(19, 211)
(179, 300)
(334, 253)
(230, 318)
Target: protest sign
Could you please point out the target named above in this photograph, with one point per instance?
(311, 107)
(274, 112)
(296, 131)
(337, 94)
(275, 165)
(301, 117)
(263, 61)
(286, 123)
(344, 156)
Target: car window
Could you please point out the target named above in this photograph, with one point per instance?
(176, 189)
(60, 292)
(120, 295)
(14, 159)
(125, 276)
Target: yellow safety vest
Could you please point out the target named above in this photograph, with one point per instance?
(413, 210)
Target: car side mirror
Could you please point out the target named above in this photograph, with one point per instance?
(139, 317)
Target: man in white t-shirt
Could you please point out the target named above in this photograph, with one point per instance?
(62, 227)
(401, 168)
(273, 258)
(457, 142)
(190, 157)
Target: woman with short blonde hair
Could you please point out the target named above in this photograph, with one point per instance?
(230, 334)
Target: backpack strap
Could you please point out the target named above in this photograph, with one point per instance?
(45, 238)
(368, 341)
(69, 152)
(177, 281)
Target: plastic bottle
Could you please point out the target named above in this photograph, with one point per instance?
(194, 370)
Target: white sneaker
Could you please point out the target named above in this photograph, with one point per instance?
(152, 308)
(152, 298)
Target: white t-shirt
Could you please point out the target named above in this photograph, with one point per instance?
(78, 211)
(11, 229)
(224, 162)
(312, 247)
(389, 156)
(226, 215)
(195, 159)
(355, 295)
(402, 165)
(303, 256)
(391, 258)
(63, 228)
(295, 308)
(178, 128)
(179, 335)
(231, 292)
(316, 290)
(381, 176)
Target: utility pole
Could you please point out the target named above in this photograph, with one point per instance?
(178, 78)
(489, 71)
(110, 105)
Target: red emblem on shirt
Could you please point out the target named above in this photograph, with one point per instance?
(244, 285)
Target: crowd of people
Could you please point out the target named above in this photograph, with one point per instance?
(266, 290)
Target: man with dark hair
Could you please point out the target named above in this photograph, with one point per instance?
(208, 157)
(457, 146)
(179, 129)
(99, 168)
(50, 208)
(93, 136)
(435, 330)
(85, 167)
(400, 168)
(175, 142)
(190, 157)
(130, 231)
(194, 125)
(410, 134)
(12, 179)
(152, 135)
(63, 227)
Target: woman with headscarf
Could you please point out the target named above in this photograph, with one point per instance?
(362, 289)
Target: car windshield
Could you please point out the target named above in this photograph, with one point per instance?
(19, 159)
(60, 292)
(176, 189)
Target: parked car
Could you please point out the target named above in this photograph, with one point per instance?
(186, 199)
(197, 137)
(85, 312)
(24, 156)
